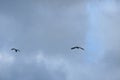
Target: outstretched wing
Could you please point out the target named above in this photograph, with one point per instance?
(82, 48)
(13, 49)
(72, 48)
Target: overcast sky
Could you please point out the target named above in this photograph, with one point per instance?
(45, 30)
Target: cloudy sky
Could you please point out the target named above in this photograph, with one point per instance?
(45, 30)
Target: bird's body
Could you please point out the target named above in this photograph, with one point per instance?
(16, 50)
(76, 47)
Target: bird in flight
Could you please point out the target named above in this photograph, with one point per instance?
(76, 47)
(16, 50)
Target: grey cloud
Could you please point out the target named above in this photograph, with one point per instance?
(35, 25)
(27, 68)
(54, 27)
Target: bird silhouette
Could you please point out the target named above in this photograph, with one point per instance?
(16, 50)
(76, 47)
